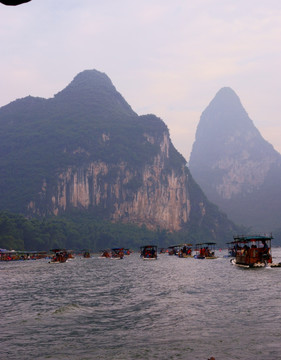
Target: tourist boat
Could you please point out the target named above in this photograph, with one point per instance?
(7, 255)
(173, 249)
(210, 250)
(106, 254)
(253, 251)
(185, 251)
(149, 252)
(117, 253)
(86, 254)
(60, 256)
(205, 250)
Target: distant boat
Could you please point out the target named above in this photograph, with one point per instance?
(106, 254)
(148, 252)
(117, 253)
(86, 254)
(185, 251)
(60, 256)
(205, 251)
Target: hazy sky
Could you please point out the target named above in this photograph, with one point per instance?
(165, 57)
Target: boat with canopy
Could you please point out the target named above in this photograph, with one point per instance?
(148, 252)
(253, 251)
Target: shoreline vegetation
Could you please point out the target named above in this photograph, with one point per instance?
(83, 232)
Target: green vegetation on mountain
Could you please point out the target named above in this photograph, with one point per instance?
(88, 158)
(81, 231)
(40, 137)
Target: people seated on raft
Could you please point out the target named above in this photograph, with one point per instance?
(202, 252)
(207, 252)
(149, 253)
(245, 249)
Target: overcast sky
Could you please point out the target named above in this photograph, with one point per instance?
(165, 57)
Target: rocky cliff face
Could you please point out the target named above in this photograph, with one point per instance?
(235, 166)
(154, 196)
(86, 150)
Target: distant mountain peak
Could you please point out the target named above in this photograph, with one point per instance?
(234, 164)
(89, 81)
(226, 91)
(227, 99)
(95, 89)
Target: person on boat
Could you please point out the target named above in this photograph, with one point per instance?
(265, 248)
(265, 255)
(245, 249)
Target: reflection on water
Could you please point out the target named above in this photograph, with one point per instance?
(132, 309)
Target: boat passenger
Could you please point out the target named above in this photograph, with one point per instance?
(265, 248)
(207, 252)
(245, 249)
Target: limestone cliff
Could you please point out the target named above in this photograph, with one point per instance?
(154, 197)
(86, 150)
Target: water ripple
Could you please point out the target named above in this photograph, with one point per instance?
(131, 309)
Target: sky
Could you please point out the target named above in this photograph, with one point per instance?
(167, 58)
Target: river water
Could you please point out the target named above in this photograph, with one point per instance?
(171, 308)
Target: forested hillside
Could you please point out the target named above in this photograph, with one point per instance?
(85, 154)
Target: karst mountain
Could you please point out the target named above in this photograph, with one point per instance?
(235, 166)
(85, 150)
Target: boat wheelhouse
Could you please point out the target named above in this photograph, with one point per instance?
(148, 252)
(252, 251)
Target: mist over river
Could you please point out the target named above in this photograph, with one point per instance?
(171, 308)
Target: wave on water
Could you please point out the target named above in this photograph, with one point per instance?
(68, 308)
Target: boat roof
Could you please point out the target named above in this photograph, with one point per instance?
(22, 252)
(148, 246)
(252, 238)
(206, 243)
